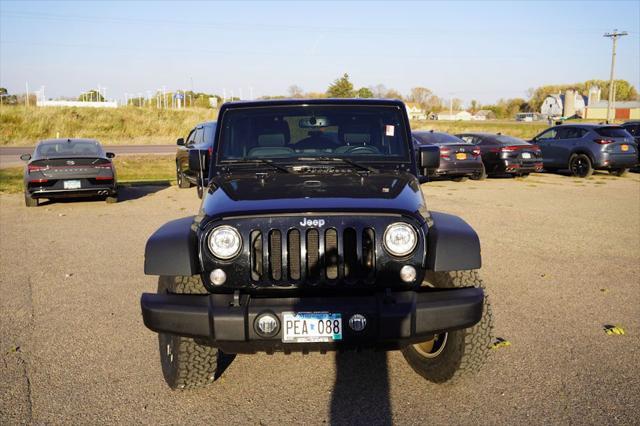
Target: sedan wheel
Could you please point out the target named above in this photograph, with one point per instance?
(580, 165)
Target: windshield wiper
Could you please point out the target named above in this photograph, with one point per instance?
(348, 161)
(262, 161)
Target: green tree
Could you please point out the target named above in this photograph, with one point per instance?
(475, 106)
(341, 88)
(365, 92)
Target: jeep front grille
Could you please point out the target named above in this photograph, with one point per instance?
(313, 255)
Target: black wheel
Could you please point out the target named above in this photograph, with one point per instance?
(480, 175)
(456, 354)
(580, 165)
(185, 363)
(29, 201)
(183, 182)
(618, 172)
(112, 199)
(460, 178)
(524, 175)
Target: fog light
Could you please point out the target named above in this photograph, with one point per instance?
(357, 322)
(408, 274)
(217, 277)
(267, 325)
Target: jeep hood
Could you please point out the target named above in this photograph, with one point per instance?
(283, 193)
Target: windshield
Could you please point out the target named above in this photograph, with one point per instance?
(69, 148)
(509, 140)
(612, 132)
(360, 133)
(439, 139)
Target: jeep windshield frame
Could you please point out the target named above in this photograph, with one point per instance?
(290, 133)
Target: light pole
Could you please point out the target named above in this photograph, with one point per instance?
(614, 37)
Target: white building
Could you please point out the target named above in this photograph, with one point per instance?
(455, 116)
(570, 104)
(415, 112)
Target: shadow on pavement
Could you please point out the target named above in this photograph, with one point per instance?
(134, 192)
(361, 393)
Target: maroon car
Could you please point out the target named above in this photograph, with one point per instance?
(459, 160)
(502, 154)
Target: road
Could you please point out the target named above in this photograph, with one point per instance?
(10, 155)
(561, 259)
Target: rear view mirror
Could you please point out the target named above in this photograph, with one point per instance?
(429, 157)
(110, 155)
(25, 157)
(180, 142)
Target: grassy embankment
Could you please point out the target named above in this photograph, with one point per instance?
(20, 126)
(130, 169)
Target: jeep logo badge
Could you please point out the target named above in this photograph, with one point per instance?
(315, 222)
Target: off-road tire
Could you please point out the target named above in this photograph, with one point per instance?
(460, 178)
(185, 363)
(183, 182)
(112, 199)
(481, 175)
(29, 201)
(618, 172)
(580, 165)
(465, 350)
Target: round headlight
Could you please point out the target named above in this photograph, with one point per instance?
(400, 239)
(225, 242)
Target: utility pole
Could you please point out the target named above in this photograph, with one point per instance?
(614, 37)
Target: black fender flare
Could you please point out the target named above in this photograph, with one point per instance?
(172, 249)
(452, 244)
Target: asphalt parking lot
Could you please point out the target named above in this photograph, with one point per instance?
(561, 260)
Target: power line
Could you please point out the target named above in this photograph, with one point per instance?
(614, 37)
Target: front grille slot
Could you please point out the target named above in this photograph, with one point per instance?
(331, 254)
(256, 255)
(313, 255)
(368, 253)
(293, 248)
(350, 253)
(275, 255)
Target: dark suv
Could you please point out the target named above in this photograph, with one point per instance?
(314, 235)
(582, 148)
(193, 156)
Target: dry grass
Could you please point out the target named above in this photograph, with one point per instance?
(518, 129)
(130, 170)
(25, 126)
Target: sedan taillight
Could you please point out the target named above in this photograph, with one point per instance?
(444, 152)
(33, 168)
(476, 152)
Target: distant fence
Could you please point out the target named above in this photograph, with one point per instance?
(79, 104)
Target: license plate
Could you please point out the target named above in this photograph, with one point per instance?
(526, 155)
(71, 184)
(303, 327)
(461, 156)
(624, 147)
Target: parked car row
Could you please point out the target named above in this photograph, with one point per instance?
(580, 148)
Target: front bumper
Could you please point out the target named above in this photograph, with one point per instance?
(394, 320)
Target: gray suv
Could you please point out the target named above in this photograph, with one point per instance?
(583, 148)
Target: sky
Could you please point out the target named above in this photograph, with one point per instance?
(469, 50)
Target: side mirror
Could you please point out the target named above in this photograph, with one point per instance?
(25, 157)
(429, 157)
(110, 155)
(180, 142)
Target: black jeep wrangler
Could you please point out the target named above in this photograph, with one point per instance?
(313, 235)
